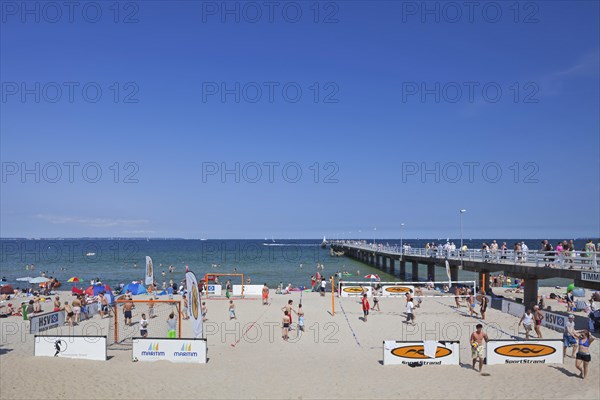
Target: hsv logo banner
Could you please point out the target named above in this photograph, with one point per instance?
(529, 352)
(149, 271)
(194, 309)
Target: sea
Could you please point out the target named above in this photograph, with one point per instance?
(272, 261)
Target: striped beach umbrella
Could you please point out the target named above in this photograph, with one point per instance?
(74, 279)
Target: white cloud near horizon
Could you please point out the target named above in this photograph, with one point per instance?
(94, 222)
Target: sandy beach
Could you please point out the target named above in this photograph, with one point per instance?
(337, 356)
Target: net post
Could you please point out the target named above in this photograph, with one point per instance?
(332, 296)
(179, 312)
(116, 333)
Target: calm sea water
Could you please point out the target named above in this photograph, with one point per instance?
(122, 261)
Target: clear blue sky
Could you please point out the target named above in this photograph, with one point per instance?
(368, 61)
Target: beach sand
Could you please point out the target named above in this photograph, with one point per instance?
(338, 356)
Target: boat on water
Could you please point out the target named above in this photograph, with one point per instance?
(90, 254)
(324, 243)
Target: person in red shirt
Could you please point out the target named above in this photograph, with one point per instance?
(365, 306)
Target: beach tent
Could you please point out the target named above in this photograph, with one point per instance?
(94, 290)
(134, 288)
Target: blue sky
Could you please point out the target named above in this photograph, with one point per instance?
(365, 120)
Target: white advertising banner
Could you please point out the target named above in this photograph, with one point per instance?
(590, 276)
(85, 347)
(397, 290)
(214, 289)
(249, 290)
(554, 321)
(524, 352)
(43, 322)
(149, 280)
(174, 350)
(413, 353)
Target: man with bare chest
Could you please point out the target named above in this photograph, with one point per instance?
(477, 345)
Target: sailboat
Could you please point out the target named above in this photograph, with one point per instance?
(324, 243)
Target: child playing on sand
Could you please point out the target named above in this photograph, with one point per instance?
(231, 310)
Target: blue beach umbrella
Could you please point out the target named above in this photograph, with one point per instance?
(135, 288)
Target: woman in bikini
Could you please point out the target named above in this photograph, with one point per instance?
(583, 357)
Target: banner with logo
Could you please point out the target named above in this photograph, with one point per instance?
(349, 290)
(590, 276)
(149, 271)
(194, 307)
(554, 321)
(524, 352)
(449, 274)
(397, 290)
(43, 322)
(413, 353)
(174, 350)
(214, 289)
(85, 347)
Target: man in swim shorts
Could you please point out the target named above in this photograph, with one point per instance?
(477, 345)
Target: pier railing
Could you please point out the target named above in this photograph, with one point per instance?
(581, 260)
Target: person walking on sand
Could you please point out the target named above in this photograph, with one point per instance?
(265, 295)
(184, 310)
(538, 317)
(410, 311)
(569, 336)
(285, 326)
(527, 320)
(143, 326)
(477, 346)
(471, 303)
(204, 311)
(231, 310)
(300, 318)
(127, 307)
(583, 356)
(365, 307)
(289, 308)
(376, 299)
(484, 303)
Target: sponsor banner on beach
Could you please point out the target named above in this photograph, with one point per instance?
(397, 290)
(249, 290)
(174, 350)
(195, 307)
(85, 347)
(554, 321)
(512, 308)
(590, 276)
(524, 352)
(413, 353)
(350, 290)
(149, 271)
(43, 322)
(214, 289)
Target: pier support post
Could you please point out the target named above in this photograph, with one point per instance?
(454, 273)
(384, 263)
(403, 269)
(431, 272)
(392, 265)
(530, 295)
(378, 258)
(484, 281)
(415, 271)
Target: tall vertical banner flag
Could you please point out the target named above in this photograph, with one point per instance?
(149, 271)
(194, 308)
(448, 273)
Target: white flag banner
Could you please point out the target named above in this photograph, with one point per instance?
(194, 307)
(448, 273)
(149, 271)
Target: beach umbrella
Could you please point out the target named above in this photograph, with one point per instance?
(74, 279)
(7, 289)
(372, 276)
(39, 279)
(94, 290)
(25, 279)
